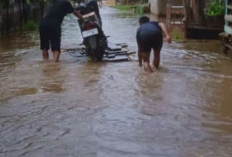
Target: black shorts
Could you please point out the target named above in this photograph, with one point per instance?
(50, 35)
(149, 41)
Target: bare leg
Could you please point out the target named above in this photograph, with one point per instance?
(146, 59)
(45, 54)
(156, 61)
(140, 58)
(56, 56)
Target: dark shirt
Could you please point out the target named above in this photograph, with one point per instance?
(55, 12)
(149, 29)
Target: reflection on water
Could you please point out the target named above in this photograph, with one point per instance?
(88, 109)
(51, 79)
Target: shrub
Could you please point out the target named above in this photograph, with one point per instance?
(31, 26)
(123, 7)
(215, 9)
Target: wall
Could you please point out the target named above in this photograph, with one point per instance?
(158, 7)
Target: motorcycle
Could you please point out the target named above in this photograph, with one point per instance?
(95, 40)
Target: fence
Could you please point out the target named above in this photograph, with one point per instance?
(16, 14)
(174, 14)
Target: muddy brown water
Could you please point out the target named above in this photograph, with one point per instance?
(87, 109)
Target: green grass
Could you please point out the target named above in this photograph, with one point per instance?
(138, 9)
(141, 9)
(177, 34)
(123, 7)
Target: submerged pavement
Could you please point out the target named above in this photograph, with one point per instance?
(79, 108)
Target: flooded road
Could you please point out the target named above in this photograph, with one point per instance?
(78, 108)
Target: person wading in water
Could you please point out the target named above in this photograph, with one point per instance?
(149, 36)
(50, 27)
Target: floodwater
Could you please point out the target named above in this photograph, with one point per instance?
(79, 108)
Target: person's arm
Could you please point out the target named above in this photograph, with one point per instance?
(77, 14)
(165, 31)
(69, 9)
(157, 59)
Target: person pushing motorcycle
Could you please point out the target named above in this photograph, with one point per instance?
(50, 26)
(92, 6)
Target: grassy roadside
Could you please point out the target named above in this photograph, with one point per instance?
(137, 8)
(124, 7)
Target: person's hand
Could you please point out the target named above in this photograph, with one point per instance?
(169, 40)
(81, 18)
(78, 15)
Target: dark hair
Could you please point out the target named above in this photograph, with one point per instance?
(143, 19)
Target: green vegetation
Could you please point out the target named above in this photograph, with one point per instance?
(4, 4)
(31, 26)
(138, 8)
(177, 34)
(26, 17)
(141, 9)
(215, 9)
(123, 7)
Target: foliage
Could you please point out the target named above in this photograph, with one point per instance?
(177, 34)
(215, 9)
(141, 8)
(31, 26)
(4, 4)
(123, 7)
(138, 9)
(34, 1)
